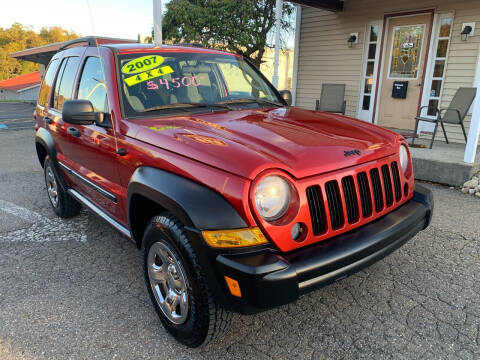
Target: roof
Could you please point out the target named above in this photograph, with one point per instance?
(21, 82)
(131, 48)
(43, 54)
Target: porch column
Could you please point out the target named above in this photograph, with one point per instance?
(472, 143)
(278, 26)
(157, 22)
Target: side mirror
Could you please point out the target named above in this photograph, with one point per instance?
(287, 96)
(79, 112)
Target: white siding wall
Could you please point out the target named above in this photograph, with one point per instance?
(8, 95)
(325, 57)
(29, 95)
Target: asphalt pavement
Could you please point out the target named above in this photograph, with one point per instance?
(75, 289)
(16, 116)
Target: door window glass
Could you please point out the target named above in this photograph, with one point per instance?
(92, 84)
(64, 83)
(47, 83)
(406, 51)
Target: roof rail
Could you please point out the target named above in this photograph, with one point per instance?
(94, 41)
(190, 45)
(90, 40)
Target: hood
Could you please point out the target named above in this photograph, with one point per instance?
(246, 142)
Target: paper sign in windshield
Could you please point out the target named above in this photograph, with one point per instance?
(143, 63)
(148, 75)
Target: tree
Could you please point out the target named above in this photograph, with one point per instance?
(240, 26)
(19, 37)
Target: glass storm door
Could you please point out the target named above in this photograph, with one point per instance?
(406, 45)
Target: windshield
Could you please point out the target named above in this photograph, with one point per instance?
(182, 81)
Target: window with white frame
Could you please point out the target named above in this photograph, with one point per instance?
(438, 70)
(369, 72)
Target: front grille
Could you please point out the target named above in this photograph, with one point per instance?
(317, 210)
(364, 190)
(351, 203)
(387, 184)
(396, 181)
(334, 204)
(352, 200)
(377, 190)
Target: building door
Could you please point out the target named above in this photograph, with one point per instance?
(406, 44)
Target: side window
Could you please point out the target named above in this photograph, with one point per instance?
(92, 84)
(64, 84)
(47, 83)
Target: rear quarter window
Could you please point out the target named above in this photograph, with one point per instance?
(47, 83)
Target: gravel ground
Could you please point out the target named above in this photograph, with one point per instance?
(74, 289)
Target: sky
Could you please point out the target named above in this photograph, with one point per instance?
(123, 19)
(111, 18)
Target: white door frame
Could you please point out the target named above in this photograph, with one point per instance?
(426, 126)
(384, 41)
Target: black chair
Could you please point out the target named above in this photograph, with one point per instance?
(454, 114)
(332, 99)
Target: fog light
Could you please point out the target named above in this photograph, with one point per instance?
(298, 232)
(233, 286)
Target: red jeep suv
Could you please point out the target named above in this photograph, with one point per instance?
(238, 201)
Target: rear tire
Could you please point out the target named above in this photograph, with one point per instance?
(64, 205)
(174, 275)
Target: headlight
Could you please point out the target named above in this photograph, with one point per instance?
(272, 197)
(403, 158)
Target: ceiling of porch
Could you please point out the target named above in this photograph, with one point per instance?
(332, 5)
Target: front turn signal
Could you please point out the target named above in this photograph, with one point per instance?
(234, 238)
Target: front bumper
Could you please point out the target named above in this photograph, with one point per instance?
(268, 278)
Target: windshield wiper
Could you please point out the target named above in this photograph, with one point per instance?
(185, 105)
(251, 100)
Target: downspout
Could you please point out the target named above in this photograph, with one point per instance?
(278, 24)
(296, 48)
(474, 131)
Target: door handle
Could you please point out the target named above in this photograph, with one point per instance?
(73, 131)
(48, 120)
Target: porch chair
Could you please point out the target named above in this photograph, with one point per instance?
(332, 99)
(454, 114)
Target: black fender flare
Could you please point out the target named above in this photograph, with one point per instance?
(45, 139)
(196, 205)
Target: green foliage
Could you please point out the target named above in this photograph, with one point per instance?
(19, 37)
(240, 26)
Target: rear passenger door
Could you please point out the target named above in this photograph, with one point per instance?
(93, 148)
(62, 91)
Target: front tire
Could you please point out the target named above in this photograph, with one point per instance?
(177, 285)
(62, 203)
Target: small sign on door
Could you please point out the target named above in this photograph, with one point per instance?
(399, 90)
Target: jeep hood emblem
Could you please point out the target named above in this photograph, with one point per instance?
(351, 152)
